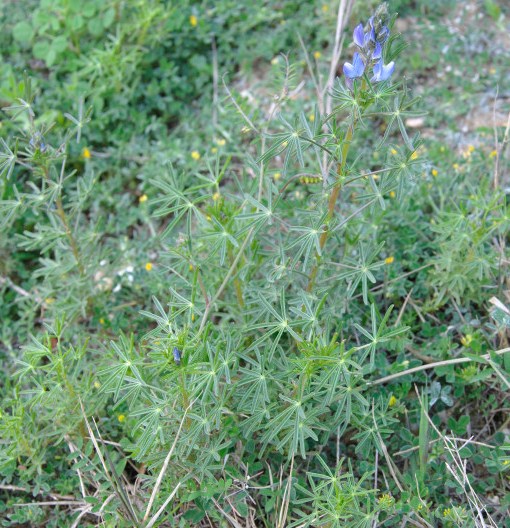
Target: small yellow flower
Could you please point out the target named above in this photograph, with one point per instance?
(143, 198)
(493, 154)
(49, 300)
(214, 150)
(245, 129)
(442, 149)
(208, 218)
(455, 166)
(414, 155)
(275, 61)
(392, 401)
(311, 117)
(317, 55)
(393, 194)
(447, 512)
(393, 151)
(148, 266)
(121, 418)
(325, 8)
(506, 462)
(434, 172)
(471, 148)
(101, 321)
(221, 142)
(192, 317)
(191, 268)
(97, 385)
(277, 176)
(86, 153)
(193, 20)
(216, 196)
(389, 260)
(195, 155)
(466, 340)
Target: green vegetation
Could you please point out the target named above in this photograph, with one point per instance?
(238, 287)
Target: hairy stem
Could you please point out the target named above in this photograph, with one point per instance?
(332, 201)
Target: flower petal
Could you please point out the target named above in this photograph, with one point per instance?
(377, 53)
(359, 36)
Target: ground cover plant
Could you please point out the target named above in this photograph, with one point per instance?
(254, 264)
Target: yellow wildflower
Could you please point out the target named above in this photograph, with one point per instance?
(311, 117)
(245, 129)
(148, 266)
(86, 153)
(389, 260)
(97, 385)
(493, 154)
(121, 418)
(214, 150)
(393, 194)
(101, 321)
(325, 8)
(414, 155)
(317, 55)
(447, 512)
(221, 142)
(393, 151)
(392, 401)
(434, 172)
(49, 300)
(195, 155)
(208, 218)
(193, 20)
(455, 166)
(143, 198)
(471, 148)
(277, 176)
(191, 267)
(466, 340)
(216, 196)
(275, 61)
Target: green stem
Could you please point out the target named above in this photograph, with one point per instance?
(332, 200)
(65, 222)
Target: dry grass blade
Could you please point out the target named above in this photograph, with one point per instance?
(110, 473)
(165, 465)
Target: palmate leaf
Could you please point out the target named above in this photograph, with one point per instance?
(279, 325)
(288, 141)
(380, 334)
(361, 270)
(296, 424)
(181, 204)
(117, 374)
(7, 159)
(309, 242)
(219, 240)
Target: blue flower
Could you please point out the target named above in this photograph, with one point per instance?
(177, 355)
(377, 53)
(382, 72)
(361, 39)
(356, 69)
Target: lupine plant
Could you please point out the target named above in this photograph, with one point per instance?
(253, 388)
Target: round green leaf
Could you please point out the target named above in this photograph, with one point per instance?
(108, 17)
(23, 32)
(41, 49)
